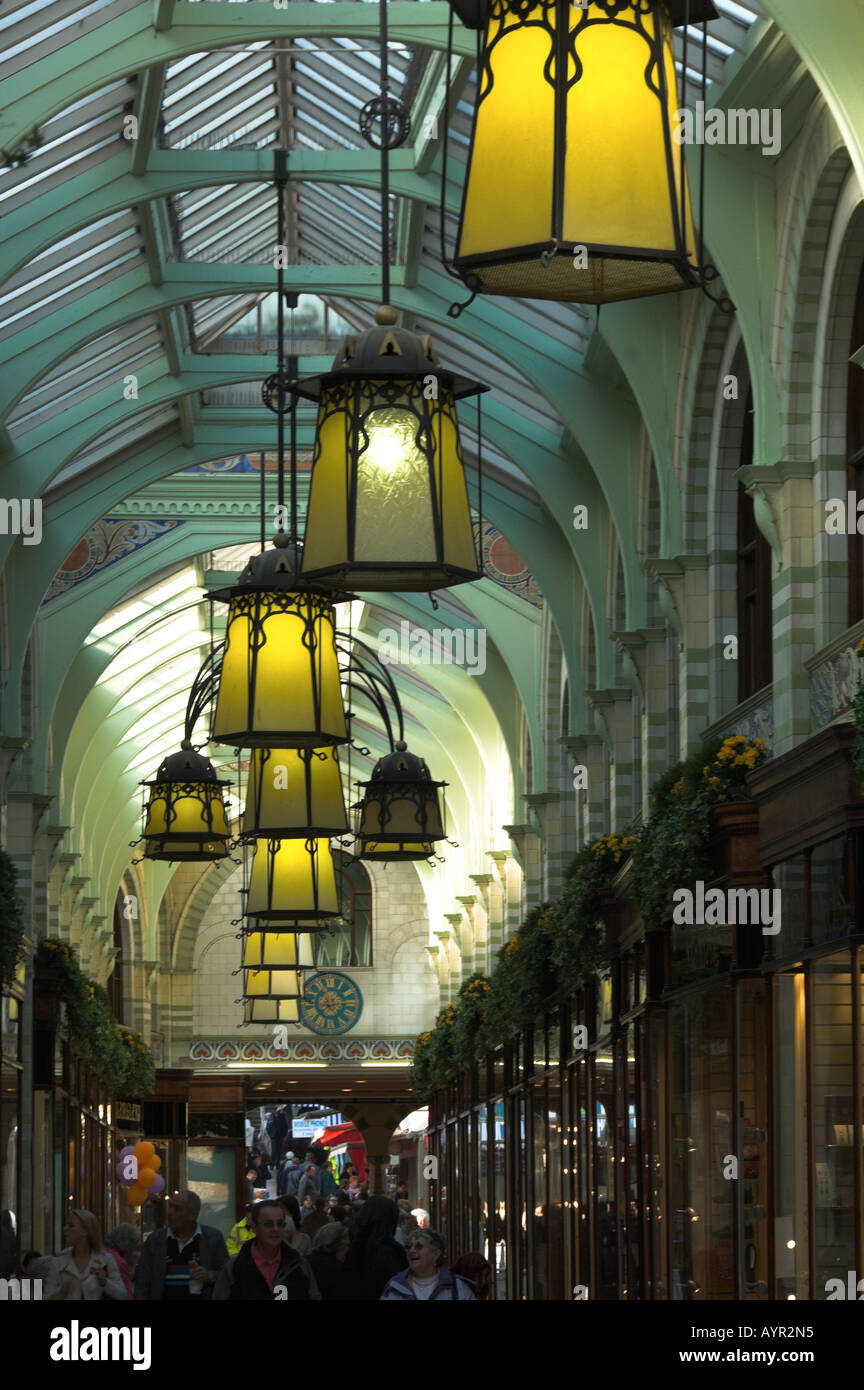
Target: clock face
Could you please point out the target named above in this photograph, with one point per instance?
(331, 1003)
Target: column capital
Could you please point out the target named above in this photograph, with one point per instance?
(783, 507)
(635, 644)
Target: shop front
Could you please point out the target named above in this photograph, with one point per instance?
(687, 1126)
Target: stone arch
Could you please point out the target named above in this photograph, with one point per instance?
(809, 214)
(722, 522)
(706, 388)
(844, 258)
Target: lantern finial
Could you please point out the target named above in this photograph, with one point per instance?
(385, 314)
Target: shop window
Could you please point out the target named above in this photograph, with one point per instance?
(833, 1122)
(606, 1270)
(855, 455)
(212, 1171)
(539, 1262)
(656, 1170)
(349, 940)
(701, 1200)
(755, 655)
(754, 1185)
(791, 1241)
(555, 1200)
(792, 878)
(830, 911)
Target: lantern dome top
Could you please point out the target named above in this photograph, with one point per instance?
(386, 348)
(186, 766)
(474, 13)
(401, 766)
(388, 351)
(277, 568)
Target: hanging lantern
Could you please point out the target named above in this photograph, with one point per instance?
(292, 881)
(399, 816)
(185, 816)
(388, 505)
(271, 1010)
(576, 188)
(272, 984)
(283, 950)
(279, 685)
(294, 792)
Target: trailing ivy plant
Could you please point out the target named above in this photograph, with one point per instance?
(561, 943)
(119, 1057)
(468, 1018)
(11, 922)
(672, 848)
(574, 922)
(524, 976)
(858, 714)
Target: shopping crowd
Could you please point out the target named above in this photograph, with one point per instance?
(310, 1243)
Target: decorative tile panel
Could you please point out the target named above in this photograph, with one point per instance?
(755, 723)
(301, 1049)
(108, 541)
(832, 687)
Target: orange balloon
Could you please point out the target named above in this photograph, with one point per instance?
(144, 1151)
(155, 1163)
(146, 1177)
(136, 1194)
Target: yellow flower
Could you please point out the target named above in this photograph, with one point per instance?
(715, 781)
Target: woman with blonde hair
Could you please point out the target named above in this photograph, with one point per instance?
(84, 1270)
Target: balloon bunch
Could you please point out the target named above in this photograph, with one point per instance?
(137, 1169)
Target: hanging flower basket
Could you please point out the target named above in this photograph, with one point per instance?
(12, 945)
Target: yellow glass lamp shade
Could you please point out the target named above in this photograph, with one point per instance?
(400, 815)
(573, 147)
(292, 881)
(185, 817)
(279, 685)
(277, 951)
(388, 504)
(271, 1010)
(294, 792)
(272, 984)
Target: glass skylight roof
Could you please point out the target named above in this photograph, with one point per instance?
(303, 93)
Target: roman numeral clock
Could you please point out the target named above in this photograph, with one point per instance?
(331, 1003)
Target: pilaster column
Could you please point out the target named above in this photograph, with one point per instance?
(510, 878)
(683, 593)
(615, 708)
(546, 807)
(586, 750)
(787, 515)
(462, 956)
(646, 648)
(474, 958)
(529, 854)
(492, 889)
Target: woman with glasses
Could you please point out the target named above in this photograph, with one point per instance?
(427, 1276)
(267, 1267)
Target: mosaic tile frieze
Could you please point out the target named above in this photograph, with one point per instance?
(301, 1049)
